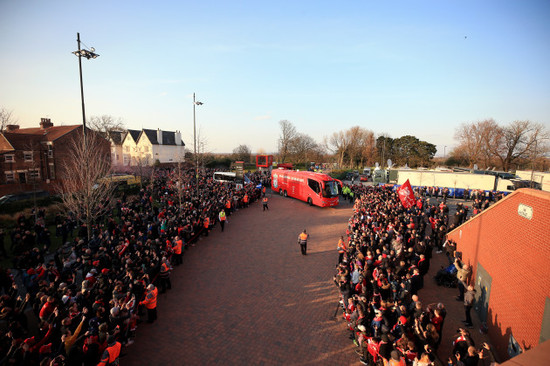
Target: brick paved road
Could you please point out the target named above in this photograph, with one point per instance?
(248, 297)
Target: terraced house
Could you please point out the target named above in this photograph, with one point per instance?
(31, 158)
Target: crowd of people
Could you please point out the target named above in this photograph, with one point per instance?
(80, 304)
(380, 272)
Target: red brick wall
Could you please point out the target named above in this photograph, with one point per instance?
(515, 251)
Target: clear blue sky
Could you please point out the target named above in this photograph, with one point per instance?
(394, 67)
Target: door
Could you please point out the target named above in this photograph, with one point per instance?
(22, 178)
(483, 291)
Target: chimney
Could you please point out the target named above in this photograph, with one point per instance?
(159, 136)
(45, 123)
(10, 128)
(178, 138)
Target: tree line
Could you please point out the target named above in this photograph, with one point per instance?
(487, 144)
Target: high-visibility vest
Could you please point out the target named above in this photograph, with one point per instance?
(178, 247)
(110, 356)
(303, 237)
(222, 216)
(245, 198)
(228, 204)
(393, 362)
(341, 246)
(150, 301)
(206, 222)
(164, 269)
(265, 200)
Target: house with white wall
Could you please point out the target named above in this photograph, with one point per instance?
(145, 147)
(129, 143)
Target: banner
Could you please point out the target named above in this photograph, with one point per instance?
(406, 195)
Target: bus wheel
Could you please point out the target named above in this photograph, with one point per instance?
(280, 192)
(309, 201)
(285, 194)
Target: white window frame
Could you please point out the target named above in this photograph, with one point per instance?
(9, 158)
(50, 151)
(33, 174)
(25, 155)
(8, 179)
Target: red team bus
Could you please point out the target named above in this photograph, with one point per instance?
(314, 188)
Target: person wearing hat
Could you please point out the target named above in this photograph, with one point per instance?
(112, 352)
(150, 303)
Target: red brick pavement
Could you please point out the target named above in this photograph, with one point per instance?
(248, 297)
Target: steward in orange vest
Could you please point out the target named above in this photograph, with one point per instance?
(264, 202)
(341, 249)
(245, 200)
(395, 360)
(150, 303)
(110, 356)
(302, 240)
(178, 251)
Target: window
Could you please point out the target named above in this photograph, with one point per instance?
(27, 155)
(50, 151)
(126, 148)
(314, 185)
(34, 174)
(9, 158)
(146, 149)
(10, 176)
(52, 171)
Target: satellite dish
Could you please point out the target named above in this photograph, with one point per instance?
(475, 167)
(389, 163)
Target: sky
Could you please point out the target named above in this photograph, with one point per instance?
(394, 67)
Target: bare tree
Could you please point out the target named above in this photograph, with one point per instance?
(6, 118)
(515, 142)
(303, 148)
(475, 140)
(338, 144)
(288, 132)
(105, 124)
(84, 189)
(242, 152)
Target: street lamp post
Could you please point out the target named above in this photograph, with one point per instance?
(195, 103)
(88, 54)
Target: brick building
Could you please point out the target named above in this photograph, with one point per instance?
(508, 246)
(31, 158)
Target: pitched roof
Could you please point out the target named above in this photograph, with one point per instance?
(22, 141)
(117, 136)
(5, 145)
(134, 134)
(168, 137)
(151, 135)
(49, 134)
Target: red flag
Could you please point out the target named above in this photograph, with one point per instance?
(406, 195)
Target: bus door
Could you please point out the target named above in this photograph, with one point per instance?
(315, 187)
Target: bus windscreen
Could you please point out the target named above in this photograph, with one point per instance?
(331, 189)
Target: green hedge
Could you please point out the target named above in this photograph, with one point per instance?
(15, 207)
